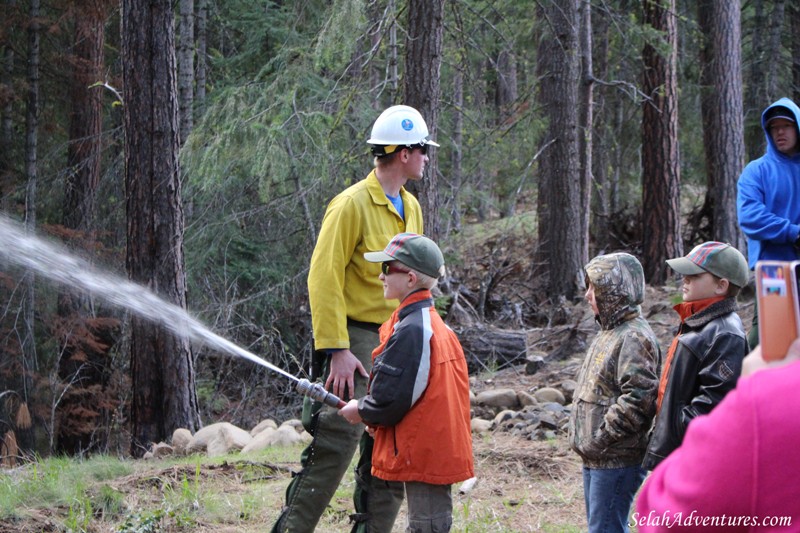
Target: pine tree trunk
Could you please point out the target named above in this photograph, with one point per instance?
(422, 91)
(756, 93)
(722, 114)
(83, 364)
(600, 160)
(202, 54)
(162, 372)
(585, 124)
(794, 17)
(29, 357)
(660, 164)
(559, 199)
(6, 122)
(186, 67)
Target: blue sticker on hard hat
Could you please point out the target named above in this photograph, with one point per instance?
(407, 124)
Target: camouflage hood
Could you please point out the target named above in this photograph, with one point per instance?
(618, 281)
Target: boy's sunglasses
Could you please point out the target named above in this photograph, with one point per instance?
(387, 269)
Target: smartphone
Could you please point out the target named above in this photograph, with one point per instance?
(777, 291)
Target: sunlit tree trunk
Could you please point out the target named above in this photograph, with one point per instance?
(661, 221)
(163, 397)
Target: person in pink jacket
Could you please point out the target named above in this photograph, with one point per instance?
(738, 468)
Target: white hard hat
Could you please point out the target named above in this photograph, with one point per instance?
(400, 125)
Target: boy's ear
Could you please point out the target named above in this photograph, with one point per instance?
(722, 286)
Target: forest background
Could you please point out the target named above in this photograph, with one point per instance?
(193, 145)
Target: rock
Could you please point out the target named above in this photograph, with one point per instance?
(264, 424)
(263, 439)
(504, 398)
(181, 438)
(480, 425)
(533, 364)
(553, 407)
(548, 421)
(472, 398)
(526, 399)
(232, 437)
(294, 423)
(162, 449)
(568, 386)
(504, 415)
(549, 394)
(147, 456)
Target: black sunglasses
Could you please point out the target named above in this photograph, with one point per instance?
(423, 149)
(387, 269)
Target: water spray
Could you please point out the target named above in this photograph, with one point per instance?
(22, 248)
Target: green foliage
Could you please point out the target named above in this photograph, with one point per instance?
(335, 44)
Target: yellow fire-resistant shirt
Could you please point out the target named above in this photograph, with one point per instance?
(341, 283)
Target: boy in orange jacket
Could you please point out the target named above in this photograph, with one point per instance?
(417, 407)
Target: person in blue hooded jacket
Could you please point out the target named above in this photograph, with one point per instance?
(768, 202)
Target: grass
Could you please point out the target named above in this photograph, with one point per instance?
(244, 494)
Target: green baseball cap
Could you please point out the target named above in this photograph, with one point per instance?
(717, 258)
(415, 251)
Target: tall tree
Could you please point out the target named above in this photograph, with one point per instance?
(201, 18)
(585, 123)
(601, 210)
(722, 110)
(85, 342)
(423, 63)
(29, 357)
(794, 17)
(6, 107)
(186, 67)
(559, 187)
(661, 221)
(164, 396)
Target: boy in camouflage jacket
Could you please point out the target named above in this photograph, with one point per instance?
(615, 400)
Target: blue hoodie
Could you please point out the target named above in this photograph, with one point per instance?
(768, 201)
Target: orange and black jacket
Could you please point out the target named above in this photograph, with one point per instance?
(418, 398)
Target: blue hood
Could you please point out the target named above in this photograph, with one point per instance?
(793, 110)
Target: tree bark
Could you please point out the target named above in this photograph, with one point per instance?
(722, 110)
(422, 91)
(186, 68)
(660, 160)
(756, 93)
(585, 124)
(29, 356)
(83, 363)
(600, 160)
(559, 198)
(6, 109)
(162, 372)
(202, 54)
(794, 17)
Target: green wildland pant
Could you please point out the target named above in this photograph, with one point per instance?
(326, 459)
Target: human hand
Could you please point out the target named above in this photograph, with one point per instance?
(342, 371)
(755, 360)
(350, 412)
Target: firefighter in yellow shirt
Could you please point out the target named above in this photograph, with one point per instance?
(347, 307)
